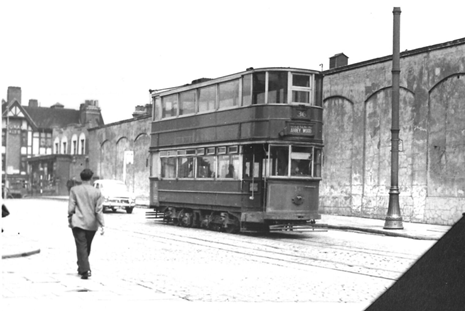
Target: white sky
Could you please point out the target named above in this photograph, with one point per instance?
(115, 51)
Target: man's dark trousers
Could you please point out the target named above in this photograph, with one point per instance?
(83, 239)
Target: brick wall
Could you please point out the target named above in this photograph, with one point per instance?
(120, 151)
(357, 124)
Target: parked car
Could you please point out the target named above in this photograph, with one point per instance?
(10, 194)
(116, 195)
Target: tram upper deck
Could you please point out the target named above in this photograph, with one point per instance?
(257, 104)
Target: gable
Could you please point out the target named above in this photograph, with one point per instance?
(15, 110)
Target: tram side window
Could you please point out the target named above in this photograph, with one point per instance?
(187, 103)
(277, 87)
(207, 98)
(247, 170)
(247, 90)
(229, 94)
(185, 167)
(206, 167)
(279, 160)
(301, 161)
(317, 163)
(157, 109)
(170, 106)
(168, 167)
(228, 166)
(259, 83)
(154, 165)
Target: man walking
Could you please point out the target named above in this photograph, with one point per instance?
(85, 215)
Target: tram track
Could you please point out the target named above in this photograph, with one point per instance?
(282, 256)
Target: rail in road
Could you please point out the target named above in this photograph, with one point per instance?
(286, 249)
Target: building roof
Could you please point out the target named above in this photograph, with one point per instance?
(53, 117)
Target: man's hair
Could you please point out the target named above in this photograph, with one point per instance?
(86, 174)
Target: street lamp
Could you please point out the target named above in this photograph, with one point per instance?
(393, 218)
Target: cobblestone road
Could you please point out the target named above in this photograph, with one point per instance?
(137, 258)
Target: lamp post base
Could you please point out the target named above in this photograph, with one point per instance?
(393, 222)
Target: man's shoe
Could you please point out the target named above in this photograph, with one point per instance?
(86, 275)
(89, 273)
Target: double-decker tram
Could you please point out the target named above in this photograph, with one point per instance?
(239, 153)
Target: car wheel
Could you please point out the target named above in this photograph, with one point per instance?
(129, 210)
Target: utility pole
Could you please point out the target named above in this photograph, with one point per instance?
(5, 191)
(394, 218)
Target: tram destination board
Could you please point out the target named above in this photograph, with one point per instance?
(295, 128)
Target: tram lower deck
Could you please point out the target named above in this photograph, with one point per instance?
(239, 188)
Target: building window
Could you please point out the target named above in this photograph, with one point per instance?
(63, 150)
(45, 140)
(23, 138)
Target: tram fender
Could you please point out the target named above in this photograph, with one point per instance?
(252, 217)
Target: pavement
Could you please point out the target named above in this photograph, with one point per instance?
(15, 244)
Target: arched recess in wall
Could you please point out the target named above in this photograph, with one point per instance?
(141, 169)
(64, 145)
(74, 144)
(106, 162)
(122, 162)
(377, 147)
(335, 189)
(82, 144)
(446, 137)
(56, 145)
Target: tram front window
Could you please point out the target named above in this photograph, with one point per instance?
(299, 164)
(301, 161)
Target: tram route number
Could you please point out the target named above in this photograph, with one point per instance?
(299, 129)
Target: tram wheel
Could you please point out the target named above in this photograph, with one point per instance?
(232, 229)
(185, 219)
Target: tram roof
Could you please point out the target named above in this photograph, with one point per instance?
(205, 82)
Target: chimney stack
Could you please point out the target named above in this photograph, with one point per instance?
(33, 103)
(14, 93)
(338, 60)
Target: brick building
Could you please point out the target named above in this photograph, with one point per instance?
(44, 147)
